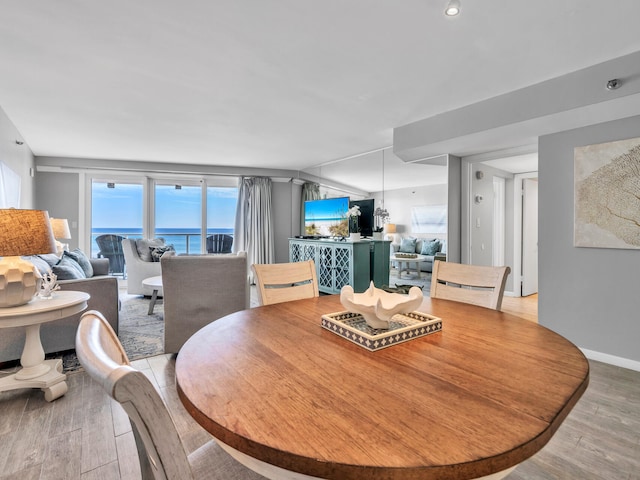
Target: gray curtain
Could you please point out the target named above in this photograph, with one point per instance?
(310, 191)
(254, 222)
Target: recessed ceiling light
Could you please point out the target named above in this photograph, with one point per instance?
(453, 8)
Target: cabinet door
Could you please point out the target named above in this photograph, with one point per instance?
(324, 268)
(342, 267)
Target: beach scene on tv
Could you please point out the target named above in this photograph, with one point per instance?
(327, 217)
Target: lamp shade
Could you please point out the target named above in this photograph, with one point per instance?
(390, 228)
(25, 232)
(60, 227)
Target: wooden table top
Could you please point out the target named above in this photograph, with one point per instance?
(482, 395)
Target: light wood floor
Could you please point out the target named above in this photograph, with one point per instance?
(85, 435)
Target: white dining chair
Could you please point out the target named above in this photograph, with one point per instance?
(283, 282)
(475, 284)
(160, 450)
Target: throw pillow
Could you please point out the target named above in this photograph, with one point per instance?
(68, 269)
(408, 245)
(143, 245)
(50, 258)
(430, 247)
(82, 260)
(157, 252)
(41, 264)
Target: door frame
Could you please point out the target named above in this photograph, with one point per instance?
(518, 192)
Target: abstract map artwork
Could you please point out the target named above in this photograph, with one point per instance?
(607, 195)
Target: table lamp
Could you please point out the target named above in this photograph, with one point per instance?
(390, 228)
(22, 232)
(60, 227)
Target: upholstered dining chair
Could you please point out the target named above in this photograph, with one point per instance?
(282, 282)
(199, 289)
(475, 284)
(219, 243)
(160, 450)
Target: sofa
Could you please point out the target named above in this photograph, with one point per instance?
(60, 335)
(428, 246)
(142, 259)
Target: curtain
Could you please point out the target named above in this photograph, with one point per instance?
(310, 191)
(254, 221)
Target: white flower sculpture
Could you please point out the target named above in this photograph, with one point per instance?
(353, 213)
(377, 306)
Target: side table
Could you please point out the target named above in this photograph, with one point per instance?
(36, 372)
(154, 283)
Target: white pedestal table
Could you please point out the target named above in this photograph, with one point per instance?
(37, 372)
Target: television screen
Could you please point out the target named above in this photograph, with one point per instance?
(326, 217)
(366, 222)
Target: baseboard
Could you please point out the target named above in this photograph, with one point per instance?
(612, 359)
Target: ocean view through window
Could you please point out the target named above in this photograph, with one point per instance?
(118, 209)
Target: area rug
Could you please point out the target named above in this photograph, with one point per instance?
(141, 335)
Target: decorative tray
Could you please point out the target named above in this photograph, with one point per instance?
(406, 255)
(402, 327)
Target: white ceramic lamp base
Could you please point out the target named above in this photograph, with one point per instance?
(19, 281)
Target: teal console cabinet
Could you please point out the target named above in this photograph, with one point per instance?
(343, 263)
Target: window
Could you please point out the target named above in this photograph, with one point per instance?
(178, 215)
(116, 208)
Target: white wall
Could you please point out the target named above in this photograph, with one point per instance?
(18, 158)
(588, 295)
(399, 203)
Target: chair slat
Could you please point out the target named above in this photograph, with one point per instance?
(478, 285)
(284, 276)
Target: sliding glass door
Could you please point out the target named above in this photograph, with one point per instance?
(178, 215)
(117, 208)
(182, 211)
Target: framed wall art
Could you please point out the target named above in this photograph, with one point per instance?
(607, 195)
(429, 219)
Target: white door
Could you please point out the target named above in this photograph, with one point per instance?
(529, 236)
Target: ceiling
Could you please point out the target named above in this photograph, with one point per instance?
(289, 84)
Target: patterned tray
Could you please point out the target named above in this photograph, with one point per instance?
(403, 327)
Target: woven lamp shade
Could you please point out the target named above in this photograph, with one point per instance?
(22, 232)
(25, 232)
(390, 228)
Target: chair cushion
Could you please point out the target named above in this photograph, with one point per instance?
(143, 245)
(157, 252)
(82, 260)
(408, 245)
(430, 247)
(68, 269)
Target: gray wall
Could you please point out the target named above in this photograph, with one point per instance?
(285, 202)
(589, 295)
(18, 158)
(59, 193)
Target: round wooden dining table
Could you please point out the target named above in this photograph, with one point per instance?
(294, 400)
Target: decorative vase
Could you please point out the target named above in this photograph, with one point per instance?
(377, 235)
(354, 237)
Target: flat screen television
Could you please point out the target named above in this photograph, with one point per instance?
(366, 222)
(326, 217)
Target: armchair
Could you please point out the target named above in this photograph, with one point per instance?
(138, 269)
(111, 248)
